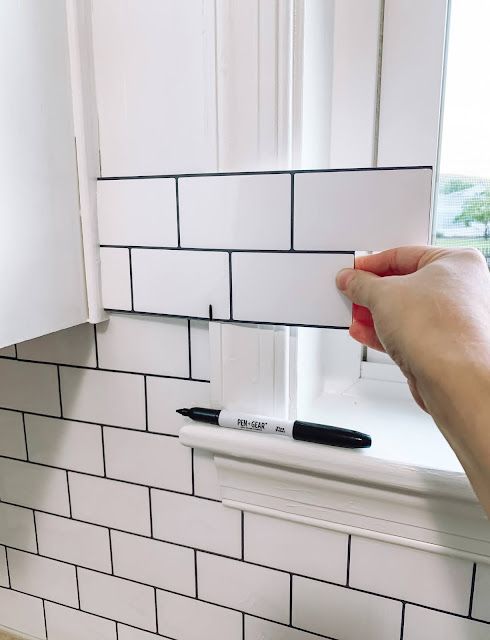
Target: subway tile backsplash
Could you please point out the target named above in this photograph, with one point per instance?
(236, 211)
(111, 528)
(256, 247)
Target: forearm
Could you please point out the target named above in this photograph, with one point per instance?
(458, 398)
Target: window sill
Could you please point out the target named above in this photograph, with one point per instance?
(407, 488)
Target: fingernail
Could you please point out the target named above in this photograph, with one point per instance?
(344, 276)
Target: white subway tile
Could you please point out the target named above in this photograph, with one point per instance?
(64, 443)
(86, 545)
(361, 210)
(103, 396)
(424, 624)
(116, 280)
(255, 590)
(206, 483)
(446, 584)
(152, 562)
(28, 386)
(117, 504)
(236, 212)
(481, 598)
(196, 522)
(130, 633)
(17, 527)
(23, 613)
(137, 212)
(145, 344)
(188, 619)
(8, 352)
(43, 577)
(149, 459)
(34, 486)
(290, 288)
(4, 575)
(165, 396)
(344, 614)
(117, 599)
(182, 283)
(294, 547)
(75, 345)
(256, 629)
(69, 624)
(12, 439)
(200, 352)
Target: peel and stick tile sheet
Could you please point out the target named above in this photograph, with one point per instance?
(252, 247)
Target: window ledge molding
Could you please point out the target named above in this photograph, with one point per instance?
(346, 490)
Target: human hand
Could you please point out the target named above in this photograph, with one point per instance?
(422, 305)
(429, 309)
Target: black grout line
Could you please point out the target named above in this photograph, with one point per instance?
(262, 173)
(104, 467)
(195, 575)
(78, 586)
(44, 617)
(110, 551)
(189, 347)
(87, 368)
(59, 389)
(96, 348)
(35, 531)
(230, 278)
(455, 615)
(402, 628)
(8, 568)
(131, 279)
(177, 206)
(96, 424)
(224, 320)
(349, 540)
(326, 252)
(100, 477)
(68, 490)
(15, 351)
(156, 609)
(472, 590)
(291, 599)
(243, 626)
(292, 212)
(25, 436)
(150, 511)
(145, 390)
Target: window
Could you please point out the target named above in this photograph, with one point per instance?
(462, 207)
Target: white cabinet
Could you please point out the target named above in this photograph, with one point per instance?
(42, 271)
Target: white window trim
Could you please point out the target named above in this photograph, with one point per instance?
(409, 488)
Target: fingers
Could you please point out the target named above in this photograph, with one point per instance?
(397, 262)
(357, 285)
(362, 315)
(365, 335)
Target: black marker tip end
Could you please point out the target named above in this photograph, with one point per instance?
(184, 412)
(365, 441)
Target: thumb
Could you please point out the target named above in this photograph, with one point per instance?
(357, 285)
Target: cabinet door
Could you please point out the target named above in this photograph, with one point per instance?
(42, 280)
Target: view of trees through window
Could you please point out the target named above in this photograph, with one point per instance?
(462, 211)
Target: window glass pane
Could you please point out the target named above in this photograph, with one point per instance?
(462, 213)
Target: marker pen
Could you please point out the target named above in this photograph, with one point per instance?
(307, 431)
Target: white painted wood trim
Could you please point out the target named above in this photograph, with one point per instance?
(253, 80)
(344, 491)
(79, 17)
